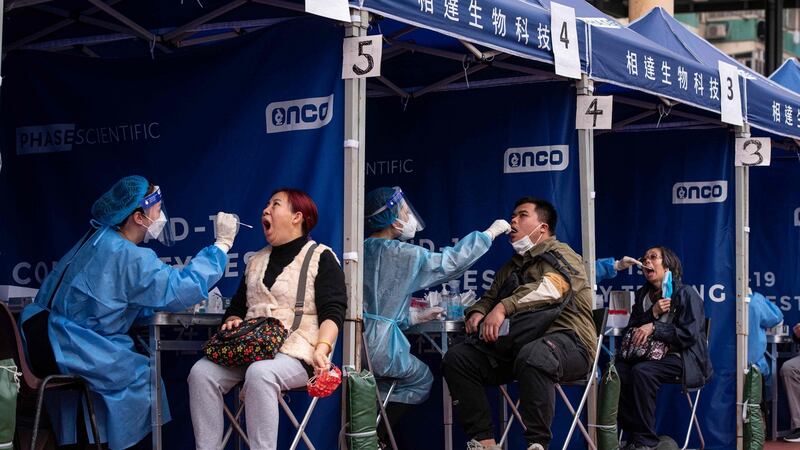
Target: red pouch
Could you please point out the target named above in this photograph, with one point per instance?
(324, 384)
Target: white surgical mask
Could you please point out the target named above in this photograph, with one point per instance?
(157, 227)
(523, 245)
(409, 228)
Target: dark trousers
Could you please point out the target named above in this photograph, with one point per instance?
(537, 367)
(640, 382)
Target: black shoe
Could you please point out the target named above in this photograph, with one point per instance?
(794, 436)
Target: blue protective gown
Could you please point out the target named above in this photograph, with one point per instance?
(762, 314)
(110, 282)
(604, 268)
(393, 270)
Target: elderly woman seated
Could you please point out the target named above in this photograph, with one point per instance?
(665, 342)
(268, 289)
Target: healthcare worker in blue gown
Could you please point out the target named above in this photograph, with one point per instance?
(607, 268)
(95, 293)
(393, 270)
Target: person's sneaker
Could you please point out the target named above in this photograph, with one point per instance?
(794, 436)
(536, 446)
(475, 445)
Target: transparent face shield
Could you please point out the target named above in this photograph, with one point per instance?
(403, 209)
(157, 219)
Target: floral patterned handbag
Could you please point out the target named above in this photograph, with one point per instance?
(258, 338)
(650, 350)
(255, 339)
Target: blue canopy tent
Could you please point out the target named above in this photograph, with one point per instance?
(771, 108)
(520, 54)
(771, 235)
(775, 228)
(138, 87)
(788, 75)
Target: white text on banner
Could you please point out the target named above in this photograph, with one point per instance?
(564, 30)
(731, 99)
(362, 57)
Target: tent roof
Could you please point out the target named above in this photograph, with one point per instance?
(125, 28)
(454, 54)
(788, 75)
(768, 106)
(603, 42)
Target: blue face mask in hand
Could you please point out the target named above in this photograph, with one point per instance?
(666, 285)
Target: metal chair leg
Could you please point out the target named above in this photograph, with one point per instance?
(514, 410)
(294, 421)
(301, 429)
(575, 420)
(590, 378)
(39, 401)
(508, 426)
(231, 429)
(388, 425)
(693, 421)
(386, 402)
(92, 416)
(235, 424)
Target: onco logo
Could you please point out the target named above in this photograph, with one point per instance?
(700, 192)
(303, 114)
(536, 159)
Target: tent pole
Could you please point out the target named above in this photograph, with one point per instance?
(586, 157)
(355, 94)
(742, 281)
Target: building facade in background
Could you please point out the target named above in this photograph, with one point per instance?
(741, 34)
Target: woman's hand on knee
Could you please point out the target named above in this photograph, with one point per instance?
(231, 323)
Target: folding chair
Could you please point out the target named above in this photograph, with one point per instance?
(693, 420)
(11, 344)
(599, 317)
(693, 403)
(381, 404)
(300, 426)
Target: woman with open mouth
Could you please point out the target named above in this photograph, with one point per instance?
(676, 327)
(269, 289)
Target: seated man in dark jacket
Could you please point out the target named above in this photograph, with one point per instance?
(679, 322)
(550, 276)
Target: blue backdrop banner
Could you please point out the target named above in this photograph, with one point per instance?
(218, 128)
(676, 189)
(775, 235)
(465, 171)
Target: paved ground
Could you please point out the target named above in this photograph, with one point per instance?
(780, 445)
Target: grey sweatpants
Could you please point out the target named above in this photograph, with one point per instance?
(790, 372)
(263, 383)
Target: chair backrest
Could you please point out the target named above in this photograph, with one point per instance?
(678, 379)
(11, 346)
(600, 316)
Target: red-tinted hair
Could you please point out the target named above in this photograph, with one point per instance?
(301, 202)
